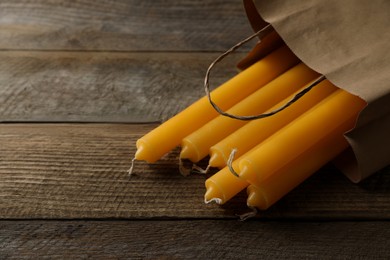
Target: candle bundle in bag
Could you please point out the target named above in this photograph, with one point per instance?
(326, 114)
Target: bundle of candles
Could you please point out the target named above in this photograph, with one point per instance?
(268, 156)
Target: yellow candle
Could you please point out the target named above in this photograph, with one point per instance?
(277, 185)
(257, 131)
(196, 145)
(300, 135)
(167, 136)
(223, 186)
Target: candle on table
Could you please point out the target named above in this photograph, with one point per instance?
(257, 131)
(301, 134)
(269, 191)
(167, 136)
(196, 146)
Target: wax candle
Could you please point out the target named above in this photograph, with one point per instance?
(301, 134)
(196, 145)
(269, 191)
(257, 131)
(164, 138)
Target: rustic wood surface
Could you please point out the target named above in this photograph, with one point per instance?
(121, 25)
(194, 239)
(102, 86)
(72, 73)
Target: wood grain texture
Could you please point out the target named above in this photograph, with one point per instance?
(142, 61)
(194, 240)
(125, 25)
(79, 171)
(103, 87)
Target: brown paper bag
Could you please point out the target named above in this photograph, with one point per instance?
(349, 42)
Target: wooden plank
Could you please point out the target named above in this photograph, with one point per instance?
(201, 25)
(208, 239)
(79, 171)
(103, 87)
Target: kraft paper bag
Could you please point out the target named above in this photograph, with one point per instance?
(348, 41)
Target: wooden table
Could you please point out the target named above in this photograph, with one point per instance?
(80, 81)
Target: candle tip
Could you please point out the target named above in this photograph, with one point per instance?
(216, 161)
(213, 195)
(140, 153)
(187, 153)
(252, 199)
(246, 174)
(255, 198)
(184, 152)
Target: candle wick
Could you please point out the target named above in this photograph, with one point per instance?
(215, 200)
(248, 215)
(182, 169)
(185, 171)
(230, 162)
(200, 169)
(130, 170)
(261, 34)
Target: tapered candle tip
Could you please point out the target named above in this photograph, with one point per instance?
(216, 161)
(245, 174)
(140, 153)
(251, 200)
(255, 198)
(213, 195)
(186, 152)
